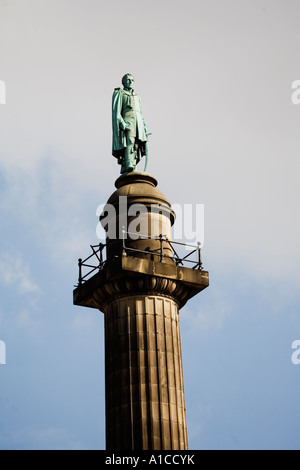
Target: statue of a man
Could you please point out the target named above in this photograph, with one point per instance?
(130, 140)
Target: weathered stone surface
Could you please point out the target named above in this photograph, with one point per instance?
(144, 379)
(140, 295)
(129, 275)
(133, 190)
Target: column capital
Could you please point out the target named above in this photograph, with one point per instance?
(128, 276)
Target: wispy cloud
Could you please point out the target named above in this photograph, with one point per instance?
(28, 320)
(52, 208)
(41, 439)
(84, 322)
(197, 421)
(14, 272)
(209, 315)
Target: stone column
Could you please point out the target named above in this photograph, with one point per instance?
(140, 290)
(145, 406)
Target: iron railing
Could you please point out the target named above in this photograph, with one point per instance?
(98, 260)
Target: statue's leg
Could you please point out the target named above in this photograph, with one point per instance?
(123, 167)
(133, 158)
(130, 155)
(127, 162)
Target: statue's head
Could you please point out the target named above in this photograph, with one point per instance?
(127, 81)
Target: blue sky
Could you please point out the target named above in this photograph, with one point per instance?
(215, 79)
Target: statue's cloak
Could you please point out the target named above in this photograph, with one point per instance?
(126, 107)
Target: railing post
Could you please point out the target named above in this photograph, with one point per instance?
(101, 246)
(123, 241)
(161, 248)
(199, 256)
(80, 271)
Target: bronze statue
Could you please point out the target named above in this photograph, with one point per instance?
(130, 138)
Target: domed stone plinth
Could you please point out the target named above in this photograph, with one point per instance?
(139, 213)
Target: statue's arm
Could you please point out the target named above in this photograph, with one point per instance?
(118, 120)
(145, 125)
(118, 123)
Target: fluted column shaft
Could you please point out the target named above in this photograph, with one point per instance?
(145, 406)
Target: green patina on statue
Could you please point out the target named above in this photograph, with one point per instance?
(130, 137)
